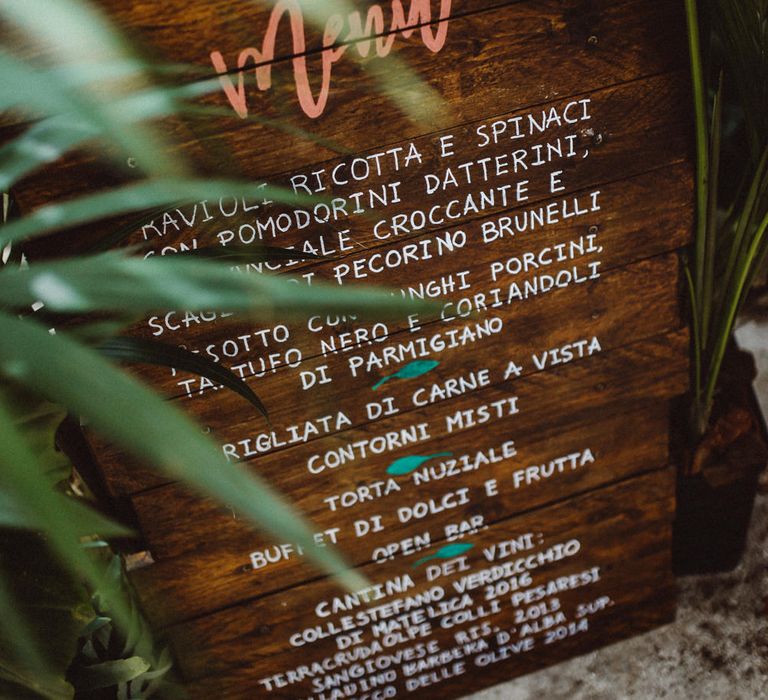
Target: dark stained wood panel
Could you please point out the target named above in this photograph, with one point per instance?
(530, 469)
(481, 669)
(222, 561)
(575, 394)
(548, 323)
(497, 467)
(237, 25)
(257, 636)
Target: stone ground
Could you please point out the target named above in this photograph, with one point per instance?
(716, 650)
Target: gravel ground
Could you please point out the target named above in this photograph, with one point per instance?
(716, 650)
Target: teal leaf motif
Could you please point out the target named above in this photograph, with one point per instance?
(405, 465)
(447, 552)
(409, 371)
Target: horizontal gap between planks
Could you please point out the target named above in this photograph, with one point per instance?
(282, 58)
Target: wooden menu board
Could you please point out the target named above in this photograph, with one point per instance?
(498, 470)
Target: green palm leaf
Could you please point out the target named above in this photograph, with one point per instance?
(58, 27)
(124, 411)
(142, 351)
(117, 283)
(132, 198)
(23, 477)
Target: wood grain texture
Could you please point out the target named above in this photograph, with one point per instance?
(157, 29)
(574, 395)
(556, 319)
(514, 485)
(635, 616)
(211, 550)
(632, 224)
(530, 53)
(608, 537)
(236, 25)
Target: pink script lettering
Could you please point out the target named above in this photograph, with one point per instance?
(360, 36)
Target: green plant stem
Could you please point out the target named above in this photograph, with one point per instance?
(702, 144)
(697, 352)
(710, 235)
(742, 225)
(730, 318)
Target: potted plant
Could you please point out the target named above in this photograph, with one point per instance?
(725, 446)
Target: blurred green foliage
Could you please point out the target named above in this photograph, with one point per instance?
(51, 542)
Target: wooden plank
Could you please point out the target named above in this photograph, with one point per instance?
(156, 29)
(301, 625)
(635, 39)
(573, 315)
(632, 143)
(578, 394)
(234, 25)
